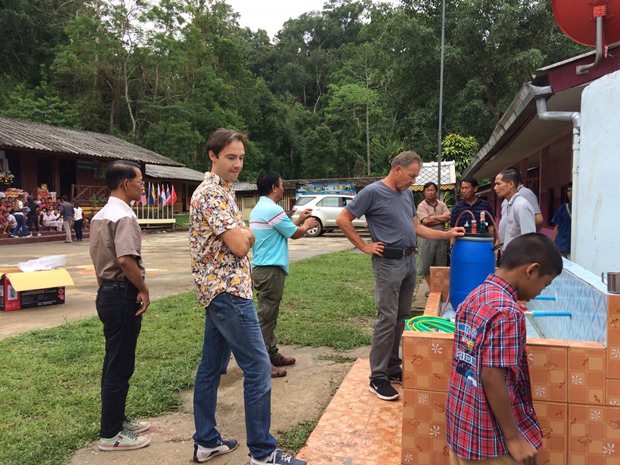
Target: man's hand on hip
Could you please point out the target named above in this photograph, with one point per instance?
(374, 248)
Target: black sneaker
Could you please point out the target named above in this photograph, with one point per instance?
(396, 378)
(277, 457)
(383, 389)
(202, 453)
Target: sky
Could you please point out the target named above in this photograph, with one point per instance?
(272, 14)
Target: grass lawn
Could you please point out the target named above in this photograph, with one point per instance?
(50, 379)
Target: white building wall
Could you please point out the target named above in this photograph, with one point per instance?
(596, 212)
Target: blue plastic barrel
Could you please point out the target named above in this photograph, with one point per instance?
(472, 260)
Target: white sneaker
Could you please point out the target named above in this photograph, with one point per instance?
(125, 440)
(202, 453)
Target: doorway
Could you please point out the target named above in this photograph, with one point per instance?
(68, 177)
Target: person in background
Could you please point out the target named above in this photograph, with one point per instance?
(517, 213)
(66, 210)
(20, 218)
(562, 220)
(12, 221)
(4, 222)
(470, 201)
(432, 213)
(272, 229)
(529, 195)
(490, 416)
(122, 299)
(51, 219)
(78, 221)
(33, 215)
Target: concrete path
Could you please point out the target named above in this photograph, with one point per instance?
(165, 255)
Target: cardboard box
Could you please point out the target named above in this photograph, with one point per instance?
(32, 289)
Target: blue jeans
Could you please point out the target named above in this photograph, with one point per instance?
(231, 324)
(21, 224)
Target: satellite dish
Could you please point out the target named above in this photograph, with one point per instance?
(577, 19)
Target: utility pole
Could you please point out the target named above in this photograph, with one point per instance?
(441, 64)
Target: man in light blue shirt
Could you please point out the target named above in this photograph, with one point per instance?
(272, 228)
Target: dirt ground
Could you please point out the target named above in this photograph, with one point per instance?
(300, 396)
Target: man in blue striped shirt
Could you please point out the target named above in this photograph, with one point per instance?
(272, 228)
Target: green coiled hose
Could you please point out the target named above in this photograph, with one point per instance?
(429, 324)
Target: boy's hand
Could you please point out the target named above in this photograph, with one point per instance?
(522, 451)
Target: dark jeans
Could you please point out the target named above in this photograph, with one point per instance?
(78, 229)
(116, 307)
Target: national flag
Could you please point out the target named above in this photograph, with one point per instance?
(157, 194)
(151, 195)
(167, 194)
(162, 195)
(143, 198)
(173, 196)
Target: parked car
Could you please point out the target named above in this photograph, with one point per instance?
(325, 209)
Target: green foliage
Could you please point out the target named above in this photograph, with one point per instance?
(461, 149)
(339, 89)
(40, 104)
(295, 438)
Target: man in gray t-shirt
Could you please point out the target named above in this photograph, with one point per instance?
(66, 210)
(391, 216)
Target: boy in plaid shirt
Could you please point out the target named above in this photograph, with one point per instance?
(490, 417)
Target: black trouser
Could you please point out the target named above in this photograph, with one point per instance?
(116, 307)
(77, 224)
(32, 222)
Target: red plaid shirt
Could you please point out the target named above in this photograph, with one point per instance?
(490, 331)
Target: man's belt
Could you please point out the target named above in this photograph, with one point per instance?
(396, 253)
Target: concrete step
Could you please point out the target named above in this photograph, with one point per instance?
(46, 236)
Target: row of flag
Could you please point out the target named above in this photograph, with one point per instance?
(160, 195)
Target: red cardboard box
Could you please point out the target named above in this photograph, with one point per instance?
(32, 289)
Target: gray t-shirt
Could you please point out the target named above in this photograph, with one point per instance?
(527, 194)
(389, 214)
(517, 219)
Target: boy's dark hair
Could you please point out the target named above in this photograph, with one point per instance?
(222, 137)
(429, 184)
(266, 180)
(533, 248)
(65, 197)
(471, 180)
(118, 171)
(511, 175)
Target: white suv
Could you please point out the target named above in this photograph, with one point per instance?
(325, 208)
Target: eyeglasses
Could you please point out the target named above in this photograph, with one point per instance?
(137, 180)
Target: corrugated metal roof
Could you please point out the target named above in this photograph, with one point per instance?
(187, 174)
(22, 134)
(174, 172)
(244, 187)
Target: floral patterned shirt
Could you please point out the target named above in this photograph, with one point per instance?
(216, 269)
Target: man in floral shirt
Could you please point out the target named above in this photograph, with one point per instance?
(219, 244)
